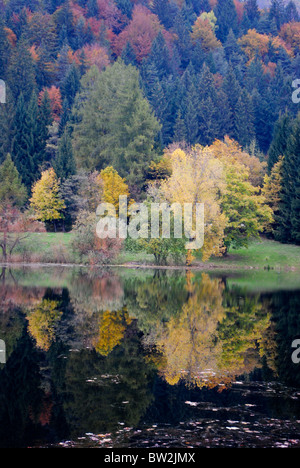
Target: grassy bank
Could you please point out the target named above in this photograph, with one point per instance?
(262, 254)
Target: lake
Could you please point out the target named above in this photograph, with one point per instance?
(137, 358)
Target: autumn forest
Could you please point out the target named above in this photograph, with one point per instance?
(161, 101)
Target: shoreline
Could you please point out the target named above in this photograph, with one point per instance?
(141, 266)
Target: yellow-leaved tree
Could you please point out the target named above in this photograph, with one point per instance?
(46, 200)
(242, 200)
(113, 186)
(197, 177)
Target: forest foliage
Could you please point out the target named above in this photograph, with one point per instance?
(157, 93)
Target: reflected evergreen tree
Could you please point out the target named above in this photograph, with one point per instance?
(20, 395)
(123, 375)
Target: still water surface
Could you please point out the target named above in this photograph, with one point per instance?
(143, 358)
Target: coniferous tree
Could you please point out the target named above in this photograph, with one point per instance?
(29, 138)
(292, 160)
(179, 129)
(128, 55)
(291, 13)
(276, 12)
(252, 12)
(159, 56)
(244, 131)
(115, 124)
(189, 105)
(165, 11)
(12, 191)
(7, 115)
(21, 72)
(288, 217)
(22, 151)
(4, 51)
(278, 145)
(232, 89)
(264, 118)
(227, 19)
(64, 164)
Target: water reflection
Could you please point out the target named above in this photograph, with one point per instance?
(107, 354)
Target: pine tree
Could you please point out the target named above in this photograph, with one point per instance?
(190, 105)
(288, 219)
(227, 19)
(165, 11)
(12, 191)
(278, 146)
(30, 133)
(179, 129)
(276, 12)
(4, 51)
(128, 55)
(22, 151)
(252, 12)
(64, 164)
(232, 89)
(159, 56)
(293, 159)
(244, 120)
(21, 72)
(264, 118)
(115, 124)
(7, 115)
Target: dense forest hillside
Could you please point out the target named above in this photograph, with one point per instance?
(92, 84)
(267, 3)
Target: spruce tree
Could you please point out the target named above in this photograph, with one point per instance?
(293, 161)
(114, 123)
(128, 55)
(288, 218)
(281, 134)
(4, 51)
(252, 12)
(227, 19)
(30, 133)
(21, 72)
(12, 191)
(22, 151)
(64, 164)
(7, 115)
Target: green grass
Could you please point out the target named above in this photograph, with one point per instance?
(262, 254)
(265, 254)
(46, 248)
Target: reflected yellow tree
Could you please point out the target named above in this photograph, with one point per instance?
(111, 331)
(213, 340)
(188, 341)
(43, 321)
